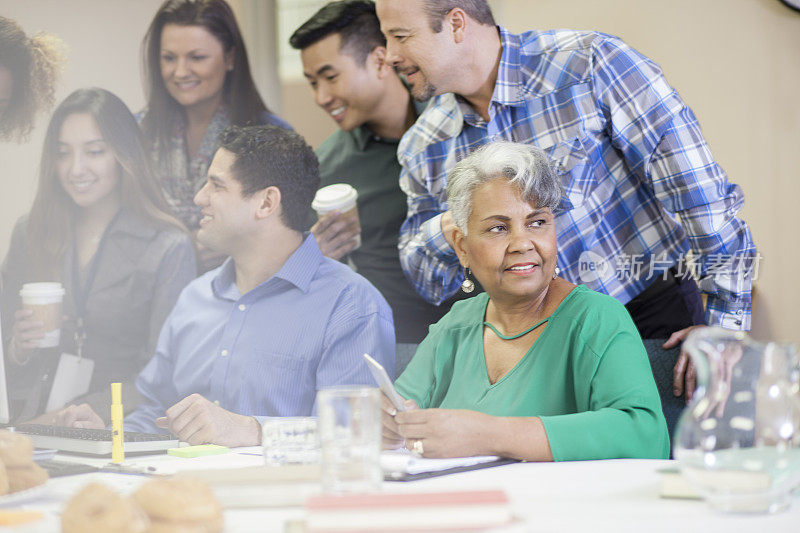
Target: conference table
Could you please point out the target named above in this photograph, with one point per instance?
(610, 495)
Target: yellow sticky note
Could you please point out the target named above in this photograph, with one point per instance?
(198, 451)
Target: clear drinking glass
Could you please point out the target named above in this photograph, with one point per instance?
(350, 439)
(290, 440)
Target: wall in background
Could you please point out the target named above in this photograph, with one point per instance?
(258, 23)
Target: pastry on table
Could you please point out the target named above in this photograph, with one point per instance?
(26, 477)
(180, 505)
(97, 508)
(15, 449)
(20, 472)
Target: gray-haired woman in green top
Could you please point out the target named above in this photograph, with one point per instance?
(535, 368)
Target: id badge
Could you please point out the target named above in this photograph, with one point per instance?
(72, 379)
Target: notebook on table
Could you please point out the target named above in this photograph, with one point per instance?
(402, 465)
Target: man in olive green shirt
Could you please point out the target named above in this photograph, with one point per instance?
(343, 52)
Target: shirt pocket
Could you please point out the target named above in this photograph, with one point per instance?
(276, 384)
(572, 164)
(280, 360)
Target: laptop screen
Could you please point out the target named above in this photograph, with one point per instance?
(4, 414)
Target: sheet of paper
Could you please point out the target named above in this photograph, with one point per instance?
(405, 461)
(72, 379)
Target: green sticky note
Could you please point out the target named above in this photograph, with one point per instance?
(198, 451)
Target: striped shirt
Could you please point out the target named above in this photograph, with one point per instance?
(267, 352)
(642, 188)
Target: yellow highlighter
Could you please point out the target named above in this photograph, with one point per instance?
(117, 435)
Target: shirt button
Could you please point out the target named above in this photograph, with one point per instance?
(740, 312)
(223, 353)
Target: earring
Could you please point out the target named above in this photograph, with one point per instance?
(555, 272)
(467, 285)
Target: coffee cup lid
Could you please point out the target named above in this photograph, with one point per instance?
(50, 288)
(336, 196)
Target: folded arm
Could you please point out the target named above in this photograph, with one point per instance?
(428, 260)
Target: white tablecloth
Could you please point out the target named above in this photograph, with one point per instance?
(616, 495)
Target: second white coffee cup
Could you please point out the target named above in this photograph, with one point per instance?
(45, 299)
(338, 197)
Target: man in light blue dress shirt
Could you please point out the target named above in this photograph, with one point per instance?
(258, 336)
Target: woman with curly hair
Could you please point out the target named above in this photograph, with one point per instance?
(28, 71)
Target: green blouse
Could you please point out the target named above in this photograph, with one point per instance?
(586, 377)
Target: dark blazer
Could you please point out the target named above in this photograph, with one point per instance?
(141, 270)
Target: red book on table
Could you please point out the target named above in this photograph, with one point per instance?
(386, 512)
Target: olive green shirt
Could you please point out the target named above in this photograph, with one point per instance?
(369, 164)
(587, 377)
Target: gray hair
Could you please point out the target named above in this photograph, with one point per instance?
(526, 166)
(438, 9)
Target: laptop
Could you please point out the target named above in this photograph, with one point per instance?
(5, 415)
(77, 440)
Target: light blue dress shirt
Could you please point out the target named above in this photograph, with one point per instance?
(267, 352)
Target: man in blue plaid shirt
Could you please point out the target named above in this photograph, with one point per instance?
(643, 189)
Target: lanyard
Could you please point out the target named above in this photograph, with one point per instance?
(80, 291)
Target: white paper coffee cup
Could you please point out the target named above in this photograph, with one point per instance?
(45, 299)
(338, 197)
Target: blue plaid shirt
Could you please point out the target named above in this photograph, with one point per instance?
(642, 187)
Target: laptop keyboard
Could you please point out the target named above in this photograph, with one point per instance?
(95, 441)
(87, 434)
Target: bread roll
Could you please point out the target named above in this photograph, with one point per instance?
(98, 508)
(26, 477)
(180, 505)
(161, 526)
(15, 449)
